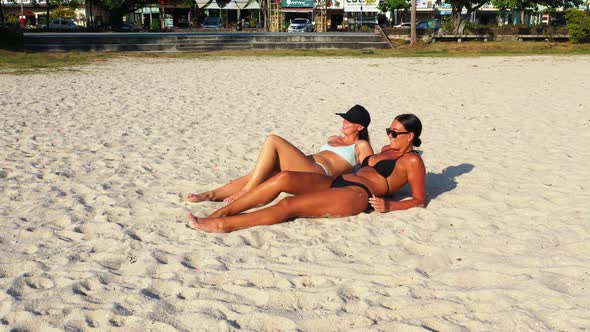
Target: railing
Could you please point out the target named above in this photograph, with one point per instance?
(384, 35)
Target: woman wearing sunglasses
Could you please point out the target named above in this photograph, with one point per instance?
(318, 195)
(338, 156)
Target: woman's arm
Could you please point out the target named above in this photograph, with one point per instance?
(416, 178)
(363, 149)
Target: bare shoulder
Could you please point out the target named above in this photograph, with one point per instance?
(413, 161)
(363, 149)
(362, 144)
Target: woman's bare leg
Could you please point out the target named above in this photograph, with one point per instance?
(337, 202)
(276, 154)
(286, 181)
(222, 192)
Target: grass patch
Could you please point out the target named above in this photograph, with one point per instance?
(23, 63)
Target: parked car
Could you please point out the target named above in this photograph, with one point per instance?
(423, 24)
(300, 25)
(405, 25)
(62, 24)
(433, 23)
(212, 22)
(127, 27)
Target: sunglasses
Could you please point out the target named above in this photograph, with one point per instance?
(394, 133)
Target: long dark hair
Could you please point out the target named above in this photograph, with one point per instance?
(413, 125)
(364, 134)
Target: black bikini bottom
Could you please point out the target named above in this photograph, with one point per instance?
(340, 182)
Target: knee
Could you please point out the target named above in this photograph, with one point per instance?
(286, 205)
(272, 139)
(283, 177)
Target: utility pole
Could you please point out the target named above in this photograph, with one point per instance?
(47, 26)
(413, 38)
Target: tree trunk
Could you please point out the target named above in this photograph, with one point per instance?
(413, 37)
(89, 19)
(263, 6)
(458, 21)
(2, 12)
(48, 4)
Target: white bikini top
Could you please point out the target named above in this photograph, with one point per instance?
(346, 152)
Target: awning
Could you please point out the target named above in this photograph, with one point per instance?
(212, 5)
(297, 10)
(253, 4)
(232, 5)
(241, 3)
(236, 4)
(202, 3)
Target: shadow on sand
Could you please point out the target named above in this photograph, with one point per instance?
(437, 184)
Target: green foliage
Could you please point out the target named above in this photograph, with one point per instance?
(578, 25)
(390, 5)
(156, 25)
(12, 18)
(479, 29)
(470, 5)
(365, 28)
(72, 4)
(62, 12)
(447, 25)
(521, 5)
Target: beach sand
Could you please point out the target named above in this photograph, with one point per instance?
(95, 163)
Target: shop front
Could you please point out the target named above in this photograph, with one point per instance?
(233, 13)
(360, 12)
(297, 9)
(335, 15)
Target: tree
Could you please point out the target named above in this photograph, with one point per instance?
(2, 12)
(457, 19)
(392, 5)
(521, 6)
(578, 25)
(63, 12)
(533, 5)
(119, 8)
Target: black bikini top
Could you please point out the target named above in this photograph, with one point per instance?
(384, 167)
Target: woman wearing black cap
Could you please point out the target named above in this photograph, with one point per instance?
(316, 195)
(336, 157)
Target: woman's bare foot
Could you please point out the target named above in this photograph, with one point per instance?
(196, 198)
(236, 196)
(211, 225)
(219, 213)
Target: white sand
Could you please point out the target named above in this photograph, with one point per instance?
(94, 165)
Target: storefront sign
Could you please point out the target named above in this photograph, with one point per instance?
(297, 3)
(361, 5)
(147, 10)
(424, 4)
(335, 4)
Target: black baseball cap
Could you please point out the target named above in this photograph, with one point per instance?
(357, 114)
